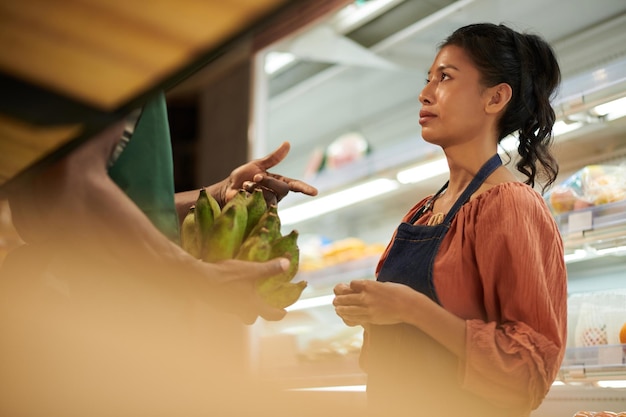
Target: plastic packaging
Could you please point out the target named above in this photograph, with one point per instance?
(593, 185)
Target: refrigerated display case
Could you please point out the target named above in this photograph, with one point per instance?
(312, 105)
(593, 372)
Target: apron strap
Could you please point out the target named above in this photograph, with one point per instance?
(485, 171)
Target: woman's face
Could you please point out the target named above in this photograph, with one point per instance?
(453, 100)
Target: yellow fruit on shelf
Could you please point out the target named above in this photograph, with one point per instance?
(622, 334)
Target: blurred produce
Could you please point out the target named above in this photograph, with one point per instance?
(341, 344)
(327, 254)
(344, 150)
(593, 185)
(246, 229)
(596, 318)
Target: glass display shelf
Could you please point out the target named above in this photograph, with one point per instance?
(594, 363)
(593, 224)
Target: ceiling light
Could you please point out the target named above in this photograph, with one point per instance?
(304, 303)
(577, 255)
(335, 201)
(611, 110)
(616, 250)
(561, 127)
(612, 384)
(275, 61)
(423, 171)
(357, 14)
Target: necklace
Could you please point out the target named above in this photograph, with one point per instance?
(428, 205)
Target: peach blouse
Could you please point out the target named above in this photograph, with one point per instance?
(501, 268)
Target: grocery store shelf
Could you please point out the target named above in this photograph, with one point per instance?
(594, 232)
(594, 363)
(322, 280)
(590, 219)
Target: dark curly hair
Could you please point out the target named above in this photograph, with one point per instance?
(528, 64)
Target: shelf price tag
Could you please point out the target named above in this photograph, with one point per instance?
(610, 355)
(580, 221)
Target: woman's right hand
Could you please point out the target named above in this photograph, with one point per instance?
(341, 290)
(372, 302)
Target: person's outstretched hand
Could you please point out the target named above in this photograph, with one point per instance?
(254, 174)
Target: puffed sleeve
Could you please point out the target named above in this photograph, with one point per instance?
(514, 355)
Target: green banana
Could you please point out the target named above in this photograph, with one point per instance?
(188, 236)
(273, 208)
(246, 228)
(271, 222)
(240, 198)
(283, 295)
(226, 235)
(207, 209)
(287, 245)
(256, 248)
(215, 206)
(256, 208)
(267, 287)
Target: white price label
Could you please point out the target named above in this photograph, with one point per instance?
(578, 222)
(610, 355)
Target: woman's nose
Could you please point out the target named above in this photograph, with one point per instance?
(424, 96)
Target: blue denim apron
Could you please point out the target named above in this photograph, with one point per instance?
(406, 368)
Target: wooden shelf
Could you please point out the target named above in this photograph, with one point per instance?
(69, 68)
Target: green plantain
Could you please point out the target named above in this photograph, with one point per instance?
(269, 221)
(283, 295)
(188, 236)
(287, 245)
(207, 209)
(256, 248)
(240, 198)
(226, 235)
(256, 208)
(215, 206)
(273, 208)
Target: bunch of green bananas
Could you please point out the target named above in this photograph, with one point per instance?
(246, 228)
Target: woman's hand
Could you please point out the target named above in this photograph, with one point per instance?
(254, 175)
(365, 302)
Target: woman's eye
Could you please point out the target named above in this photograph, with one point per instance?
(426, 81)
(444, 76)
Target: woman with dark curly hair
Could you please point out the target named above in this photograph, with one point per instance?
(467, 315)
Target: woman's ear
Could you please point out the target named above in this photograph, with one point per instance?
(498, 97)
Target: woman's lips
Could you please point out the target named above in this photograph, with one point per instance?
(425, 116)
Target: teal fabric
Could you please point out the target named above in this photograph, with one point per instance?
(145, 168)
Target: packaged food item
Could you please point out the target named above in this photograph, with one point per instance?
(593, 185)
